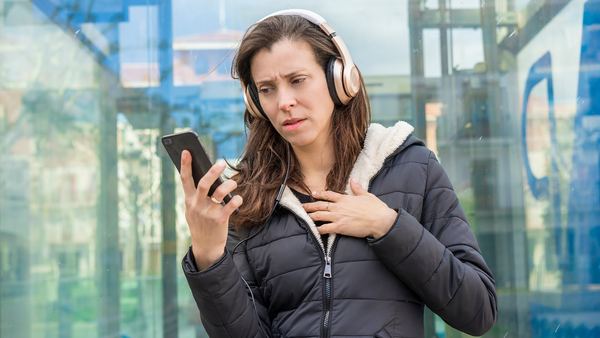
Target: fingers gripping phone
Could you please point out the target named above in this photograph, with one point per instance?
(175, 144)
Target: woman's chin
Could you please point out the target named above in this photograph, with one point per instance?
(299, 141)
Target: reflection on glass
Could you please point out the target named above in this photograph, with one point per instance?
(506, 94)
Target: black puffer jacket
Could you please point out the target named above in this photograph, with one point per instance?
(376, 288)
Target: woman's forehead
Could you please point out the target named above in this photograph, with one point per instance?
(284, 58)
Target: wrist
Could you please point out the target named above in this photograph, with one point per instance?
(206, 257)
(383, 227)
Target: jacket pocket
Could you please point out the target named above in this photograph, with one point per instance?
(382, 334)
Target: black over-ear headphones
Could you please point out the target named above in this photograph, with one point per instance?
(342, 76)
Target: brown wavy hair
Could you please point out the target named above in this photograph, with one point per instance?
(262, 168)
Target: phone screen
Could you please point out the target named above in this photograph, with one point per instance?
(175, 144)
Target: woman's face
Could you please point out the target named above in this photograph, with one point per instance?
(293, 93)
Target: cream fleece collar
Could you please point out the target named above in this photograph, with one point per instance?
(379, 144)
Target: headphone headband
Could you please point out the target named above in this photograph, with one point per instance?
(308, 15)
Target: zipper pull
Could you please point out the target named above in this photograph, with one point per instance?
(327, 273)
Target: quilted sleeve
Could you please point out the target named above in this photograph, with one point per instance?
(225, 304)
(447, 269)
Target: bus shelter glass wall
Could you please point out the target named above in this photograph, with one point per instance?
(518, 136)
(92, 224)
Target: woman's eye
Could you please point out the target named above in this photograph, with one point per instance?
(264, 90)
(298, 80)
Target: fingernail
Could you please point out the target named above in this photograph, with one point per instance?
(314, 193)
(353, 180)
(184, 156)
(221, 164)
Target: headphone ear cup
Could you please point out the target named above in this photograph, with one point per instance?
(331, 81)
(336, 70)
(254, 104)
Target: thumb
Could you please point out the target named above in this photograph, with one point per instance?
(357, 189)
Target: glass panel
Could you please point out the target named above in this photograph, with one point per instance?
(432, 53)
(92, 225)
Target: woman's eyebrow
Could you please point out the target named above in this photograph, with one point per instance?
(286, 76)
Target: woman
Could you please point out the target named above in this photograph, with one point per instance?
(367, 230)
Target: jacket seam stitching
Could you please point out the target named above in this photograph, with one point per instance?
(439, 234)
(413, 251)
(241, 315)
(303, 302)
(401, 192)
(379, 299)
(437, 188)
(396, 313)
(283, 273)
(475, 316)
(350, 298)
(218, 313)
(464, 244)
(445, 217)
(360, 260)
(454, 294)
(425, 191)
(275, 240)
(253, 270)
(225, 293)
(225, 325)
(434, 272)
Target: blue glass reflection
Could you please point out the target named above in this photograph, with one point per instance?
(127, 38)
(578, 245)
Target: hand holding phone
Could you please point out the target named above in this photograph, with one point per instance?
(207, 220)
(201, 163)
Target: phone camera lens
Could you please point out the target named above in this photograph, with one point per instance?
(168, 142)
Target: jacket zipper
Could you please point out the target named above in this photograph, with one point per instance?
(326, 255)
(327, 273)
(327, 282)
(328, 299)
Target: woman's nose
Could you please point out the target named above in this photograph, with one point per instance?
(286, 99)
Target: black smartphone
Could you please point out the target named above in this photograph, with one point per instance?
(175, 144)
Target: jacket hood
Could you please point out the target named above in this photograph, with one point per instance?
(380, 143)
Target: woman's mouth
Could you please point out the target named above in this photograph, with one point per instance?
(292, 124)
